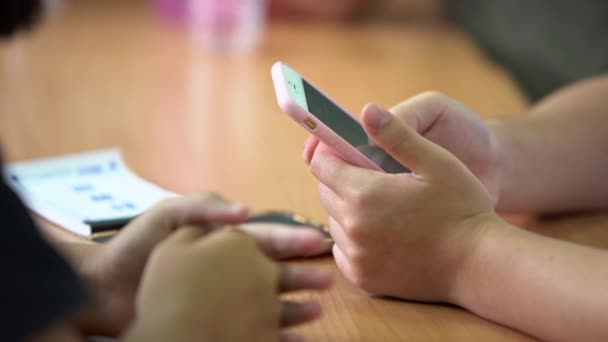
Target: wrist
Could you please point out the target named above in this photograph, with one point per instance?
(95, 317)
(89, 318)
(488, 229)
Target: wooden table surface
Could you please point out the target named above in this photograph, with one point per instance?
(101, 74)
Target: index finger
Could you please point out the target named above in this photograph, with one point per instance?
(281, 241)
(198, 208)
(402, 142)
(300, 277)
(335, 173)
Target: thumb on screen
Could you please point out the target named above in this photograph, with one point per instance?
(401, 141)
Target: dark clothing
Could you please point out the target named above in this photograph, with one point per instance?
(17, 14)
(38, 287)
(545, 44)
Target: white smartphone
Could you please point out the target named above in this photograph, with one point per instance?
(328, 121)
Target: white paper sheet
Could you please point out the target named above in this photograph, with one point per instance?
(73, 190)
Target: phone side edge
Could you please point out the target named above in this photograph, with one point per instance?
(284, 100)
(322, 131)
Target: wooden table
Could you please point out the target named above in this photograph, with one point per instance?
(109, 73)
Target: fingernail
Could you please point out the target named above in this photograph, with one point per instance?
(323, 248)
(376, 117)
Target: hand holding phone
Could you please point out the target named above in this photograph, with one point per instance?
(326, 120)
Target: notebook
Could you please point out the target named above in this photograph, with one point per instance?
(86, 192)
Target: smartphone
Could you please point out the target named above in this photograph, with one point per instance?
(328, 121)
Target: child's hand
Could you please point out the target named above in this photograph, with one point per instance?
(404, 235)
(457, 129)
(113, 270)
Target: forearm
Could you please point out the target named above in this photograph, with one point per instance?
(555, 158)
(548, 288)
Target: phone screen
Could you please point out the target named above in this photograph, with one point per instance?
(334, 117)
(340, 122)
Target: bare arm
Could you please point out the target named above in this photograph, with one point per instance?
(433, 235)
(549, 288)
(555, 158)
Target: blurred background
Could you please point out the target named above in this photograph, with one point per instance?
(183, 86)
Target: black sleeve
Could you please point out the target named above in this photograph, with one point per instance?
(37, 287)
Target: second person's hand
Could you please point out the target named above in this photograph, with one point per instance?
(220, 287)
(113, 271)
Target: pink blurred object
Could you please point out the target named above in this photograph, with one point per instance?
(227, 25)
(174, 10)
